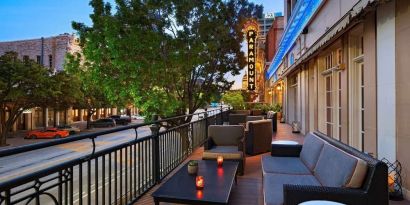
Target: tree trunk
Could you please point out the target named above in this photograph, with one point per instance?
(3, 137)
(89, 115)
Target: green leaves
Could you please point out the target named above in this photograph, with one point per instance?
(166, 57)
(235, 99)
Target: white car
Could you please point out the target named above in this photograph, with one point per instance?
(137, 117)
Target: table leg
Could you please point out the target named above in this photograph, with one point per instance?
(156, 201)
(236, 179)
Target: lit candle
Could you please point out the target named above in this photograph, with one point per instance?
(220, 161)
(390, 182)
(199, 182)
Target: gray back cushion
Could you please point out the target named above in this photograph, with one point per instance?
(312, 146)
(254, 118)
(334, 167)
(226, 135)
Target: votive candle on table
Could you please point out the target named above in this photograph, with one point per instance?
(199, 182)
(220, 161)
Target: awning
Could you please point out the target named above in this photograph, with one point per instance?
(333, 32)
(303, 12)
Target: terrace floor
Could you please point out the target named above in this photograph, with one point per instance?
(248, 191)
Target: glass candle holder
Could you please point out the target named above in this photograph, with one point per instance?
(220, 161)
(199, 182)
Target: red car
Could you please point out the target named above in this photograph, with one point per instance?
(47, 133)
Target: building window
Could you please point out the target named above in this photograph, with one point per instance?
(362, 103)
(26, 59)
(292, 59)
(50, 61)
(356, 90)
(339, 97)
(38, 59)
(329, 106)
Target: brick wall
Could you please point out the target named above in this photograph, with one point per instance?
(273, 38)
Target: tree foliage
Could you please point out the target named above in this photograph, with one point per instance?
(24, 85)
(92, 97)
(169, 57)
(234, 99)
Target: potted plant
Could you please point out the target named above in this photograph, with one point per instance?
(193, 167)
(278, 109)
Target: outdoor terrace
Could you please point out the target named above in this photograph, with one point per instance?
(249, 188)
(128, 173)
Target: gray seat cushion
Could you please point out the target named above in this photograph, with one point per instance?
(335, 168)
(283, 165)
(227, 152)
(273, 185)
(312, 146)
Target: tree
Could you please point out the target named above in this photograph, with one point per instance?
(235, 99)
(92, 96)
(23, 85)
(168, 56)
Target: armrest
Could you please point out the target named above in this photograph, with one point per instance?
(241, 144)
(296, 194)
(209, 143)
(279, 150)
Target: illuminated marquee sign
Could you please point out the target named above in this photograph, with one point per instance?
(251, 30)
(251, 36)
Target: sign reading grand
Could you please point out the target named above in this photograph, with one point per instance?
(251, 37)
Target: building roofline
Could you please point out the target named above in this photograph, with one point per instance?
(33, 39)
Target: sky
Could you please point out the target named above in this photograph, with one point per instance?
(27, 19)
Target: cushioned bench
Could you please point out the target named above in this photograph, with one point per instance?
(324, 169)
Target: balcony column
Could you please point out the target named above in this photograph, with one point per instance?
(98, 113)
(386, 81)
(80, 114)
(56, 118)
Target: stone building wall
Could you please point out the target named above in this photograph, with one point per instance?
(55, 47)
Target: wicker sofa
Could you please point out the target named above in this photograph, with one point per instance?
(324, 169)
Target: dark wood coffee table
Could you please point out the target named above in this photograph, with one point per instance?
(180, 188)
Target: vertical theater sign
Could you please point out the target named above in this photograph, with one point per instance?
(251, 30)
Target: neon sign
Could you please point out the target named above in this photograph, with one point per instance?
(251, 36)
(251, 30)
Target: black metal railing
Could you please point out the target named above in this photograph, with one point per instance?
(119, 174)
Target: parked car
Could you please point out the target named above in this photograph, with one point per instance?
(105, 122)
(72, 130)
(137, 117)
(121, 120)
(47, 133)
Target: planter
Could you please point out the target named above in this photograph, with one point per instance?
(193, 167)
(279, 115)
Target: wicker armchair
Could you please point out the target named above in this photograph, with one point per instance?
(258, 136)
(227, 141)
(236, 119)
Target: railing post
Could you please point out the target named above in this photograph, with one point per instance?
(222, 116)
(155, 152)
(206, 122)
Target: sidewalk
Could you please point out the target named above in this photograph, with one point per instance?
(284, 132)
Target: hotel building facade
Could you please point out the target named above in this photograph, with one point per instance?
(343, 66)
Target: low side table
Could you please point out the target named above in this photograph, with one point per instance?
(285, 148)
